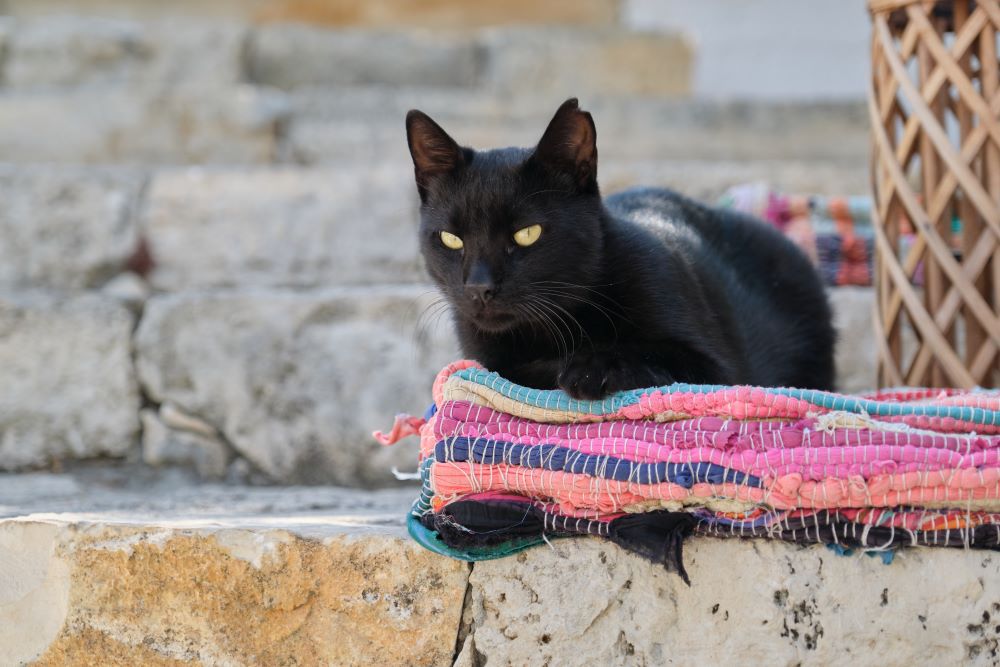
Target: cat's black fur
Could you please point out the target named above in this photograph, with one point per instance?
(643, 288)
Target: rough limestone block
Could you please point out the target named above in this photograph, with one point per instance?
(566, 62)
(176, 593)
(438, 14)
(65, 228)
(707, 180)
(283, 227)
(296, 381)
(236, 124)
(67, 388)
(662, 128)
(66, 50)
(214, 574)
(853, 309)
(164, 443)
(365, 124)
(434, 14)
(129, 289)
(755, 601)
(287, 56)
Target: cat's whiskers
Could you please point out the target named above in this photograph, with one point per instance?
(545, 319)
(606, 313)
(531, 316)
(418, 302)
(559, 309)
(555, 288)
(556, 332)
(526, 316)
(422, 332)
(560, 323)
(581, 299)
(588, 288)
(428, 318)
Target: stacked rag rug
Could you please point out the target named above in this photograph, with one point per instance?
(835, 232)
(505, 467)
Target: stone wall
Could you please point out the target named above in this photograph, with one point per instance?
(344, 585)
(206, 231)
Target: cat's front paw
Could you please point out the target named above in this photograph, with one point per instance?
(592, 376)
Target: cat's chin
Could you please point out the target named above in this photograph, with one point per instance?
(494, 323)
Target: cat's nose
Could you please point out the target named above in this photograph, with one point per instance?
(481, 292)
(479, 286)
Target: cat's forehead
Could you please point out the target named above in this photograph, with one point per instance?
(492, 179)
(500, 159)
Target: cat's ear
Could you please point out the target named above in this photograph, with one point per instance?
(569, 144)
(433, 151)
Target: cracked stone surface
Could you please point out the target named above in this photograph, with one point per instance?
(283, 227)
(190, 124)
(163, 443)
(327, 127)
(68, 50)
(65, 228)
(216, 575)
(289, 55)
(123, 565)
(286, 377)
(68, 387)
(563, 62)
(583, 602)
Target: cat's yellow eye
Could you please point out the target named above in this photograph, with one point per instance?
(451, 241)
(527, 236)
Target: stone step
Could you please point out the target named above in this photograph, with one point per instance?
(245, 124)
(68, 387)
(439, 14)
(508, 61)
(271, 384)
(66, 227)
(341, 223)
(295, 382)
(232, 124)
(68, 51)
(87, 89)
(217, 575)
(329, 125)
(356, 224)
(236, 575)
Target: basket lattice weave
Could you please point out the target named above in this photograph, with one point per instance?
(934, 107)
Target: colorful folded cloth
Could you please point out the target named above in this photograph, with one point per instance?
(505, 467)
(835, 232)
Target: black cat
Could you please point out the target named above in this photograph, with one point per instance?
(551, 287)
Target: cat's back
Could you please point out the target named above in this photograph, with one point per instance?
(764, 281)
(674, 218)
(726, 243)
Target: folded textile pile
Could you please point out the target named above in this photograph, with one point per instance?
(505, 467)
(835, 232)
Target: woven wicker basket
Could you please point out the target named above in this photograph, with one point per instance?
(935, 115)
